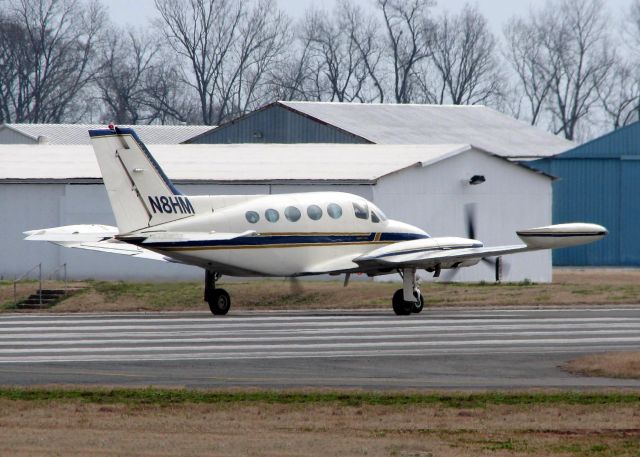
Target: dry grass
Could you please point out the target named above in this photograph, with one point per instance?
(612, 365)
(80, 429)
(570, 287)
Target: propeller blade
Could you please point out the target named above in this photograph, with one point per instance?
(489, 261)
(470, 218)
(295, 287)
(449, 274)
(500, 266)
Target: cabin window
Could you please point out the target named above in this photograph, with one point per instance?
(272, 215)
(374, 218)
(314, 212)
(361, 210)
(252, 216)
(292, 213)
(334, 210)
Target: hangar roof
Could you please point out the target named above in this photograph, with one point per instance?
(77, 133)
(233, 163)
(478, 125)
(378, 123)
(619, 143)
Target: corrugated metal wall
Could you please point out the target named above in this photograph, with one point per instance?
(276, 124)
(599, 182)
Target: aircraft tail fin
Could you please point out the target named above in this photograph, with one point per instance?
(140, 193)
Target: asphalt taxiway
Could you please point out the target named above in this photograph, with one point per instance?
(439, 348)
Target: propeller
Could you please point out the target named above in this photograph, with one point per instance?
(500, 267)
(295, 286)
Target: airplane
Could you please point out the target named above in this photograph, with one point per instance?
(287, 235)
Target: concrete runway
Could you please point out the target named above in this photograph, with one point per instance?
(439, 348)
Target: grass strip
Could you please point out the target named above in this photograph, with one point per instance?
(167, 397)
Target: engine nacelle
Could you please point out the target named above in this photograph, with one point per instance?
(562, 235)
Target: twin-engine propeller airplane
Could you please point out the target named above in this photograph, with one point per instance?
(285, 235)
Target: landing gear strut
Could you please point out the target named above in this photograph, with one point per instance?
(408, 299)
(218, 299)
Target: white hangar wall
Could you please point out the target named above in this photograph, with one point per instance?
(512, 198)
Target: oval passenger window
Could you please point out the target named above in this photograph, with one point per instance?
(272, 215)
(361, 210)
(334, 210)
(252, 216)
(314, 212)
(292, 213)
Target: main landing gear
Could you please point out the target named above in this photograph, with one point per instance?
(408, 299)
(218, 299)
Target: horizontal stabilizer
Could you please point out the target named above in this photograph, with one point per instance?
(72, 233)
(92, 237)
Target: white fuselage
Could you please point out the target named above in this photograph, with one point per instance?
(295, 234)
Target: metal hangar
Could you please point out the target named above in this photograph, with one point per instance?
(599, 181)
(371, 123)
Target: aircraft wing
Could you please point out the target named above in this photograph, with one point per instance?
(452, 252)
(429, 258)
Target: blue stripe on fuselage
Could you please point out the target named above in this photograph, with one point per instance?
(275, 240)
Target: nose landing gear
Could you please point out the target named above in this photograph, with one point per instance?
(218, 299)
(408, 299)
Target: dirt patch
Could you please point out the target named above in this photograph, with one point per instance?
(570, 287)
(611, 365)
(78, 429)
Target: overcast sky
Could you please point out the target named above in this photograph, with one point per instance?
(497, 11)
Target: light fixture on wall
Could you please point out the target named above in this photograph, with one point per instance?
(258, 134)
(476, 179)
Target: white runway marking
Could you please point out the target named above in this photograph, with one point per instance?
(45, 338)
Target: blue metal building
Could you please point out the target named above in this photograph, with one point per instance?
(599, 182)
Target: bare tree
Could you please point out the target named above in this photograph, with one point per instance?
(15, 66)
(335, 57)
(465, 61)
(126, 62)
(290, 81)
(167, 99)
(532, 61)
(336, 65)
(54, 60)
(620, 94)
(265, 36)
(408, 41)
(227, 46)
(583, 48)
(568, 59)
(362, 28)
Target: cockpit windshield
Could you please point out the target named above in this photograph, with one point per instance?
(378, 212)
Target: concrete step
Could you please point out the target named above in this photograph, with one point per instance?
(45, 298)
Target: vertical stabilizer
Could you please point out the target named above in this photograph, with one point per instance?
(140, 193)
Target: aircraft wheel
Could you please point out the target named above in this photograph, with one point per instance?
(417, 306)
(219, 302)
(401, 307)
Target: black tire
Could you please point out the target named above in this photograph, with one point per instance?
(417, 306)
(219, 302)
(401, 307)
